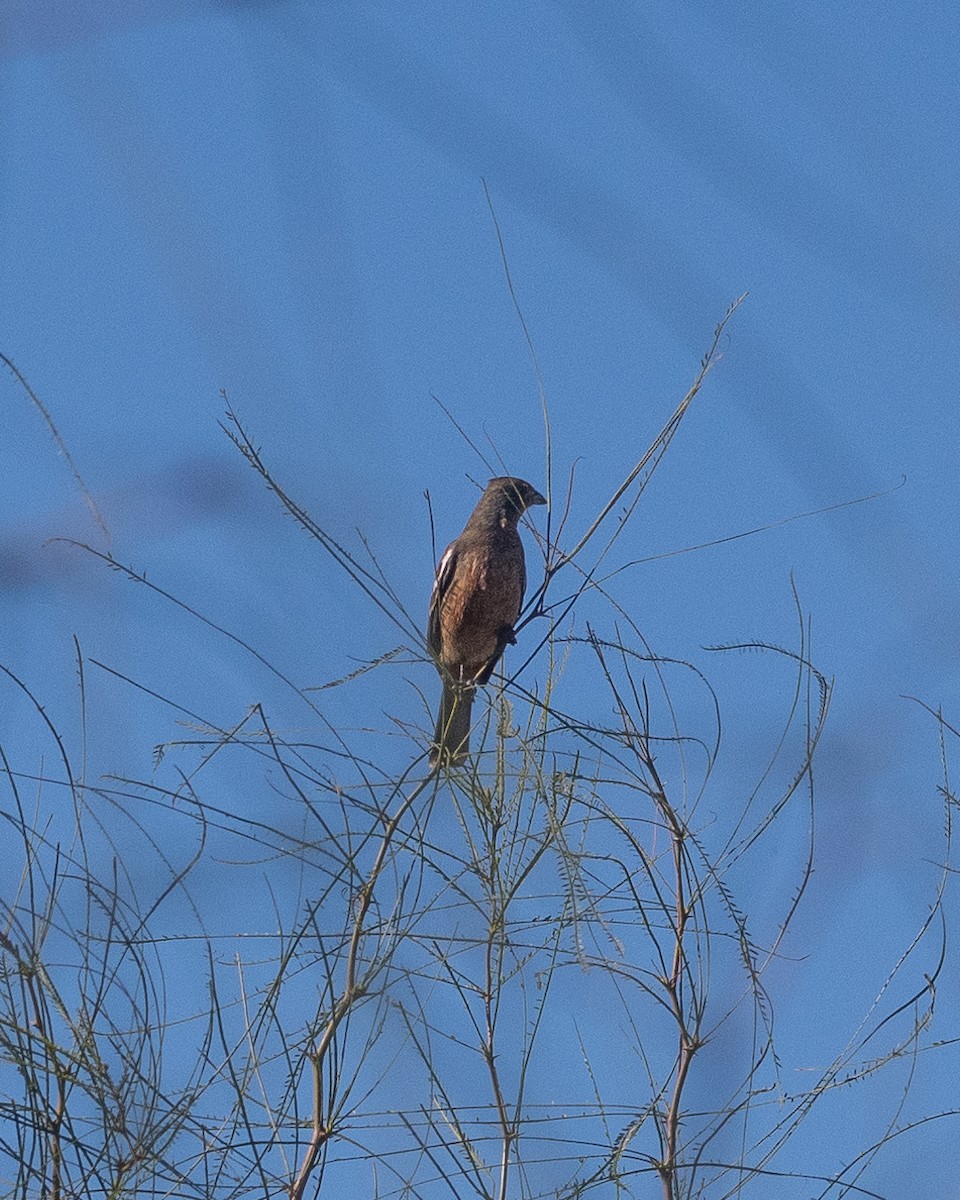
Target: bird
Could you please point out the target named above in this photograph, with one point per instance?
(475, 602)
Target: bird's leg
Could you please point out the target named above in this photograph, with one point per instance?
(505, 637)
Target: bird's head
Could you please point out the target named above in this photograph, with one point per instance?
(513, 496)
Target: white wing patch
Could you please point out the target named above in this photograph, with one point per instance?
(444, 576)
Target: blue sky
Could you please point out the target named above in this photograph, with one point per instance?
(285, 201)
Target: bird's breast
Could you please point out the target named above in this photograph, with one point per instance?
(484, 596)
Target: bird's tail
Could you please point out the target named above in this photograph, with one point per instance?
(451, 742)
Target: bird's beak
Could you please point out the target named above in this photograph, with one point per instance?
(536, 498)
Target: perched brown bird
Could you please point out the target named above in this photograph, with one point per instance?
(475, 603)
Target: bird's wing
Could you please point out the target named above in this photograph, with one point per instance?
(446, 569)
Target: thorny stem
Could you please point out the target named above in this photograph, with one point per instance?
(352, 991)
(680, 1004)
(56, 1151)
(688, 1043)
(491, 989)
